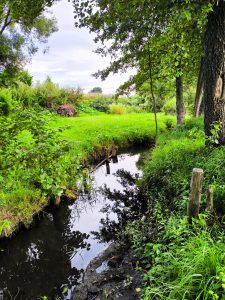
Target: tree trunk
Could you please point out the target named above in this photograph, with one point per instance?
(199, 88)
(179, 101)
(213, 71)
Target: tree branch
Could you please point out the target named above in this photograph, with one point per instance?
(7, 22)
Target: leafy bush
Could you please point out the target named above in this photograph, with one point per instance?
(135, 100)
(70, 95)
(31, 152)
(134, 109)
(24, 94)
(47, 94)
(101, 103)
(170, 106)
(117, 109)
(5, 102)
(189, 98)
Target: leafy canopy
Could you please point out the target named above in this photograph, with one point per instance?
(22, 24)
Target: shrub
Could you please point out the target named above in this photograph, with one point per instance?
(101, 103)
(70, 95)
(134, 109)
(117, 109)
(170, 106)
(47, 93)
(5, 102)
(24, 94)
(189, 98)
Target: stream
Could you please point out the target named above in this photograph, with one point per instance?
(49, 259)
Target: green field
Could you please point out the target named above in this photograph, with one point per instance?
(87, 133)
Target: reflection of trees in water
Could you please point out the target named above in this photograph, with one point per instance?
(127, 204)
(31, 267)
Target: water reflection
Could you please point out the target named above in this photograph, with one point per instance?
(44, 260)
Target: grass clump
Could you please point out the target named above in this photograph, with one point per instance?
(117, 109)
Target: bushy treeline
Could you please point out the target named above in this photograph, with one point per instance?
(49, 95)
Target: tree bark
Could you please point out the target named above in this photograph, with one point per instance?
(180, 108)
(214, 71)
(198, 99)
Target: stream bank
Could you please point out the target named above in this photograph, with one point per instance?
(111, 275)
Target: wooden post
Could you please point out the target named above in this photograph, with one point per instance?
(107, 167)
(209, 199)
(115, 159)
(195, 194)
(57, 200)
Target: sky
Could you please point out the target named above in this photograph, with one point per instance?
(70, 60)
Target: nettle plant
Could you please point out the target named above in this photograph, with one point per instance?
(214, 133)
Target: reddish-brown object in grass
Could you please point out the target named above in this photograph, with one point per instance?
(67, 110)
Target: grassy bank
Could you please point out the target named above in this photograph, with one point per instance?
(181, 261)
(88, 134)
(40, 161)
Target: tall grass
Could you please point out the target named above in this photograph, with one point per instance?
(186, 268)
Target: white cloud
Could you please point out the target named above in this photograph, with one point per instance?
(70, 60)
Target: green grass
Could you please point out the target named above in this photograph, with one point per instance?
(28, 186)
(88, 134)
(168, 174)
(187, 263)
(184, 262)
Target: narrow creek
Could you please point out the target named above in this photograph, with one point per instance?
(49, 259)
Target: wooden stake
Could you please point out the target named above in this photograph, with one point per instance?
(209, 199)
(195, 194)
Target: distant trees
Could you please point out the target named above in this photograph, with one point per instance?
(22, 24)
(96, 90)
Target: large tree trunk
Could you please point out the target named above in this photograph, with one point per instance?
(180, 108)
(198, 99)
(213, 71)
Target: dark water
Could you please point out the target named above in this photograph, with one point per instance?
(49, 259)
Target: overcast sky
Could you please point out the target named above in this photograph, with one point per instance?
(70, 60)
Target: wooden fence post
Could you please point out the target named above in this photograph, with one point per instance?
(195, 193)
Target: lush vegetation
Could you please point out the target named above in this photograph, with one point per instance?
(181, 260)
(40, 160)
(178, 45)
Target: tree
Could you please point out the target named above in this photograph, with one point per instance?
(22, 25)
(96, 90)
(168, 27)
(214, 71)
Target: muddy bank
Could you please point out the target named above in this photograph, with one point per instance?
(111, 275)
